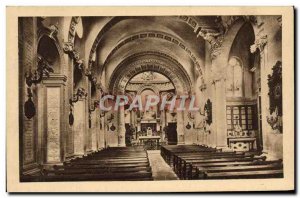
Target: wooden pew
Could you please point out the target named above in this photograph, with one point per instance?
(197, 171)
(110, 164)
(192, 162)
(180, 165)
(246, 174)
(99, 177)
(70, 171)
(168, 152)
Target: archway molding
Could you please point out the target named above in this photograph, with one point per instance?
(165, 37)
(150, 61)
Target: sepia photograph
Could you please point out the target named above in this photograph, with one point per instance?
(178, 100)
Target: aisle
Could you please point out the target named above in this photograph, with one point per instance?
(160, 169)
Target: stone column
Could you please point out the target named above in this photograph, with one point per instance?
(265, 100)
(54, 131)
(220, 135)
(79, 127)
(94, 130)
(102, 129)
(163, 124)
(138, 125)
(180, 127)
(121, 128)
(210, 134)
(200, 133)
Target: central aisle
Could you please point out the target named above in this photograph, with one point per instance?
(160, 169)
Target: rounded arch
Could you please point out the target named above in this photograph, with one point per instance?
(72, 30)
(161, 36)
(145, 87)
(48, 48)
(236, 58)
(190, 21)
(172, 65)
(149, 62)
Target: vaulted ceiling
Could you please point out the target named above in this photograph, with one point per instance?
(122, 37)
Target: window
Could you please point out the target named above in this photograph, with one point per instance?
(243, 115)
(234, 78)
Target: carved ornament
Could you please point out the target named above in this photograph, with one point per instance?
(259, 43)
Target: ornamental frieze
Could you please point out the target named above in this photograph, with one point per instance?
(160, 86)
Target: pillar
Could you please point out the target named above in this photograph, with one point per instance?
(102, 129)
(100, 125)
(163, 124)
(79, 127)
(121, 128)
(94, 130)
(180, 127)
(54, 130)
(220, 136)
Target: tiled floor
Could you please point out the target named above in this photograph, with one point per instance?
(160, 169)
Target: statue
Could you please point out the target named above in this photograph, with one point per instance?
(149, 131)
(237, 127)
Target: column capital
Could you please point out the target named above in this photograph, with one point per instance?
(259, 43)
(215, 39)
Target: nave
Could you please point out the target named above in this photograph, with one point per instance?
(189, 162)
(98, 94)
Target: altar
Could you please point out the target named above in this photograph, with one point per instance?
(149, 142)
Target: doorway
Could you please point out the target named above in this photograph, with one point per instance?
(172, 134)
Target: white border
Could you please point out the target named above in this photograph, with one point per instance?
(5, 3)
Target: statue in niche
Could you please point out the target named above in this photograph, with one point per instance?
(149, 131)
(237, 127)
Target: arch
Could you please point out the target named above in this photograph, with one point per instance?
(157, 35)
(139, 63)
(118, 85)
(158, 54)
(185, 19)
(51, 34)
(144, 87)
(72, 29)
(238, 59)
(48, 49)
(240, 46)
(229, 39)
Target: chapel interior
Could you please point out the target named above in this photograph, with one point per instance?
(232, 64)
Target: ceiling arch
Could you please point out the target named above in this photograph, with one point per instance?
(149, 61)
(162, 36)
(191, 22)
(145, 87)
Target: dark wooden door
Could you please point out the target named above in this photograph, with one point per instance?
(172, 133)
